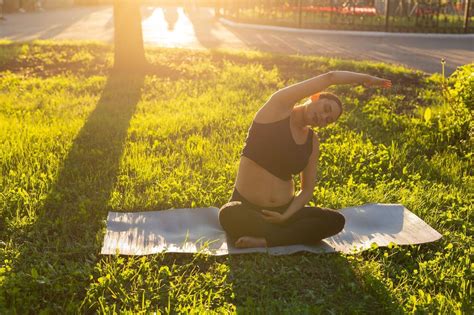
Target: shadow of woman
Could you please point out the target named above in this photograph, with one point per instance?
(306, 284)
(58, 252)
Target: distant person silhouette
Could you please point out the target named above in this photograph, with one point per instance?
(39, 5)
(20, 5)
(171, 17)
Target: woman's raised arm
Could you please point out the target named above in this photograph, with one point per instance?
(347, 77)
(288, 96)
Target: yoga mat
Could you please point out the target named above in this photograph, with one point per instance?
(198, 230)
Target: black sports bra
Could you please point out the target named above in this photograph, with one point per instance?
(272, 146)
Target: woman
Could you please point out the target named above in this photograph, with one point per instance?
(264, 210)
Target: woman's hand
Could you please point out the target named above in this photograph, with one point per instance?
(273, 216)
(372, 81)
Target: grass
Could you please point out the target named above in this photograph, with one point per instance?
(78, 141)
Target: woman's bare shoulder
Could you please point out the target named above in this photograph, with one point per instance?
(271, 112)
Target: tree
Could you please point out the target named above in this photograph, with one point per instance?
(128, 38)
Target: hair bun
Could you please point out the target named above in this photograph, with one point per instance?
(315, 97)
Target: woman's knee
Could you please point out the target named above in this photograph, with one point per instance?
(335, 220)
(339, 221)
(227, 213)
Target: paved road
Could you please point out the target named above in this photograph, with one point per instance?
(199, 29)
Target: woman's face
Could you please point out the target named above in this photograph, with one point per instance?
(322, 112)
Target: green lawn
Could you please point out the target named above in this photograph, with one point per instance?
(77, 141)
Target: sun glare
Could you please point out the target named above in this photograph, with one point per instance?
(169, 27)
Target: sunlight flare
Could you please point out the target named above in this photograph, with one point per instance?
(169, 27)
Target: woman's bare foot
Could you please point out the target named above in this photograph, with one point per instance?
(250, 241)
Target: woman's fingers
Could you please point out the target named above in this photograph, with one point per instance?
(272, 216)
(268, 214)
(379, 82)
(387, 84)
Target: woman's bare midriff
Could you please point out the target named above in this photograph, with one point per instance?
(260, 187)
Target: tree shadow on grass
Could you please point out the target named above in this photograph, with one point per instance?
(57, 253)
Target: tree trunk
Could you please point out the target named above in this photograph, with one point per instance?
(129, 50)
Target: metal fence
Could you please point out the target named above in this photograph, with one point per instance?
(427, 16)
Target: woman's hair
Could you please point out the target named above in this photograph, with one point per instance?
(330, 96)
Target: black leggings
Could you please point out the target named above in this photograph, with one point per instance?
(308, 225)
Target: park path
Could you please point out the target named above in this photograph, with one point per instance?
(199, 29)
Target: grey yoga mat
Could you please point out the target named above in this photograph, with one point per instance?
(198, 230)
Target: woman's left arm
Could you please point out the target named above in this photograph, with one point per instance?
(288, 96)
(308, 182)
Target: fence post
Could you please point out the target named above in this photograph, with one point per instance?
(237, 10)
(387, 14)
(437, 15)
(217, 8)
(466, 15)
(299, 13)
(331, 13)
